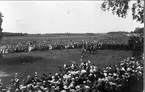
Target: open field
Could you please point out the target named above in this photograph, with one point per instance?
(62, 38)
(46, 62)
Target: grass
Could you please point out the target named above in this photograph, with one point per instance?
(46, 62)
(62, 38)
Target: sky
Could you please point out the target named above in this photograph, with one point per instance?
(62, 17)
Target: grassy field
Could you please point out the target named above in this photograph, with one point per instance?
(62, 38)
(46, 62)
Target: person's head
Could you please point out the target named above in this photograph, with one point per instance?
(110, 74)
(56, 74)
(49, 74)
(16, 75)
(126, 75)
(73, 79)
(105, 74)
(28, 77)
(44, 75)
(90, 74)
(52, 77)
(78, 87)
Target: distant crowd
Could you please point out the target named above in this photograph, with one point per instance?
(126, 76)
(84, 46)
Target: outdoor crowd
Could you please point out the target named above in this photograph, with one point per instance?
(126, 76)
(45, 46)
(87, 46)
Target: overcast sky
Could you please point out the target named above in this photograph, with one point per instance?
(62, 17)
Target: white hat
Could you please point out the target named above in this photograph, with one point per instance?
(63, 91)
(105, 74)
(72, 79)
(84, 81)
(72, 90)
(83, 71)
(56, 74)
(89, 61)
(87, 87)
(64, 65)
(114, 74)
(52, 77)
(132, 58)
(122, 64)
(104, 71)
(90, 74)
(109, 74)
(129, 69)
(65, 87)
(16, 74)
(36, 74)
(77, 87)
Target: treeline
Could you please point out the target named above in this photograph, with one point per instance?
(117, 32)
(13, 34)
(137, 30)
(6, 34)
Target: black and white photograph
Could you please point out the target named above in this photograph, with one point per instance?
(72, 46)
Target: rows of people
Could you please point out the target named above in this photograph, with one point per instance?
(126, 76)
(84, 45)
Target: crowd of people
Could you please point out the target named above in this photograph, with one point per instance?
(85, 46)
(89, 47)
(126, 76)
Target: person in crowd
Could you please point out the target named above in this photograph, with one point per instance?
(126, 76)
(134, 43)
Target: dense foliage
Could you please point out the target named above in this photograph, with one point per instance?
(118, 32)
(1, 20)
(121, 7)
(139, 30)
(13, 34)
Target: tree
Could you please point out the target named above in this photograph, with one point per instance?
(139, 30)
(121, 7)
(1, 20)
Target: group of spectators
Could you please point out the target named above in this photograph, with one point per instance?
(126, 76)
(86, 46)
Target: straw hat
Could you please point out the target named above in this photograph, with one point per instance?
(65, 87)
(63, 91)
(129, 69)
(110, 74)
